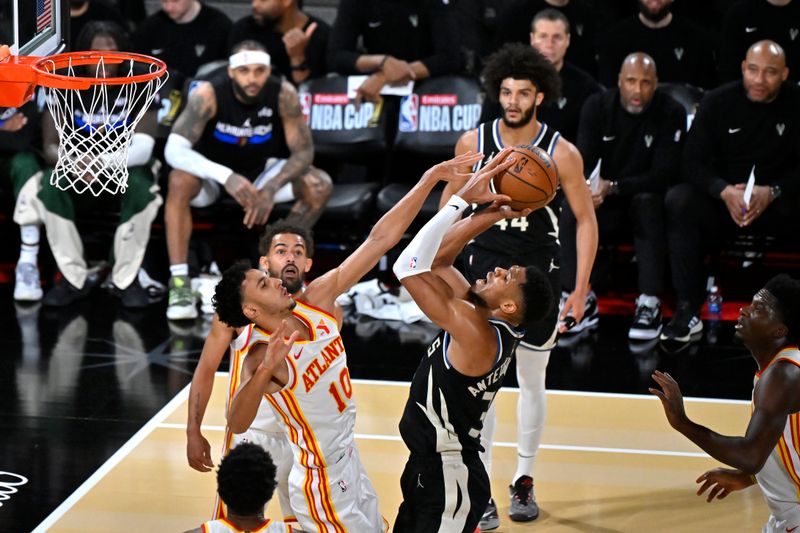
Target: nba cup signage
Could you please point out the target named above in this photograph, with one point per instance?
(437, 113)
(9, 482)
(336, 112)
(433, 118)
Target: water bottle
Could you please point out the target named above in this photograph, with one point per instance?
(715, 302)
(714, 314)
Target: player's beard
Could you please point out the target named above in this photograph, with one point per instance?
(527, 116)
(293, 286)
(243, 97)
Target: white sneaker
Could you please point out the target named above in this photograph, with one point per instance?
(204, 286)
(28, 287)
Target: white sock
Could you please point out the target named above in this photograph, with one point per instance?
(487, 437)
(181, 269)
(29, 249)
(531, 407)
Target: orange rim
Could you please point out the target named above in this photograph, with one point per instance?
(45, 68)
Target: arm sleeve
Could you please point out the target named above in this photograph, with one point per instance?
(666, 156)
(180, 154)
(698, 152)
(342, 53)
(141, 149)
(418, 256)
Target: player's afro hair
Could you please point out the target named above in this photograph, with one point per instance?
(246, 479)
(521, 62)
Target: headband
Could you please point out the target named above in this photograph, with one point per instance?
(249, 57)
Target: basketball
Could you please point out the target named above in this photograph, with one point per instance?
(531, 181)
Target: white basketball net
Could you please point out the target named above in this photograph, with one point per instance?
(95, 127)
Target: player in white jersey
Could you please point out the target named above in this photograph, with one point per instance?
(246, 481)
(311, 389)
(287, 252)
(769, 452)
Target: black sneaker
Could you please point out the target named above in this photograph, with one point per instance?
(523, 503)
(490, 520)
(646, 321)
(591, 315)
(64, 293)
(134, 296)
(684, 325)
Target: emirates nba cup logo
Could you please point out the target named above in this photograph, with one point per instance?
(305, 103)
(409, 113)
(9, 482)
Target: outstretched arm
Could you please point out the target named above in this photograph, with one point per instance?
(264, 372)
(385, 234)
(198, 450)
(774, 398)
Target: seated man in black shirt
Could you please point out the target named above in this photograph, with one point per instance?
(742, 129)
(184, 34)
(636, 132)
(243, 131)
(680, 48)
(403, 40)
(296, 41)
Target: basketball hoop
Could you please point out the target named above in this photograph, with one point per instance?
(96, 100)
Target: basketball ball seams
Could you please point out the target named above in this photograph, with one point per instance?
(531, 185)
(540, 181)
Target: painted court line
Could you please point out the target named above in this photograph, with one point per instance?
(114, 460)
(558, 447)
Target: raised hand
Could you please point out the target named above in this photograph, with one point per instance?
(671, 398)
(451, 170)
(278, 347)
(476, 189)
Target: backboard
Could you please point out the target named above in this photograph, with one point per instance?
(34, 27)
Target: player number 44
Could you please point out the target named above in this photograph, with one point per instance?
(520, 223)
(347, 389)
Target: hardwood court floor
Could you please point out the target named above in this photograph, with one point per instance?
(608, 463)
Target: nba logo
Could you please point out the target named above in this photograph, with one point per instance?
(305, 103)
(412, 263)
(409, 111)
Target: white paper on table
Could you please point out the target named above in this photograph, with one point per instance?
(594, 177)
(354, 82)
(748, 189)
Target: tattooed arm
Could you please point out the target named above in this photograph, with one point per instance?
(298, 139)
(200, 108)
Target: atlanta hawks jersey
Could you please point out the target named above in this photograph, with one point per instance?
(224, 526)
(250, 337)
(779, 479)
(540, 228)
(445, 409)
(316, 407)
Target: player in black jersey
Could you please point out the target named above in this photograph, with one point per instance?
(445, 485)
(521, 78)
(245, 132)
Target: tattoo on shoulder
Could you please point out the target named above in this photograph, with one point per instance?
(288, 102)
(199, 109)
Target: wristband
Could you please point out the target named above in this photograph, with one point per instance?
(383, 62)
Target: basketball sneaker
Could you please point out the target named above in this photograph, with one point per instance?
(646, 319)
(490, 520)
(182, 304)
(523, 502)
(64, 293)
(28, 287)
(684, 325)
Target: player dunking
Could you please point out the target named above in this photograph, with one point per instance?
(445, 485)
(310, 390)
(521, 79)
(767, 454)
